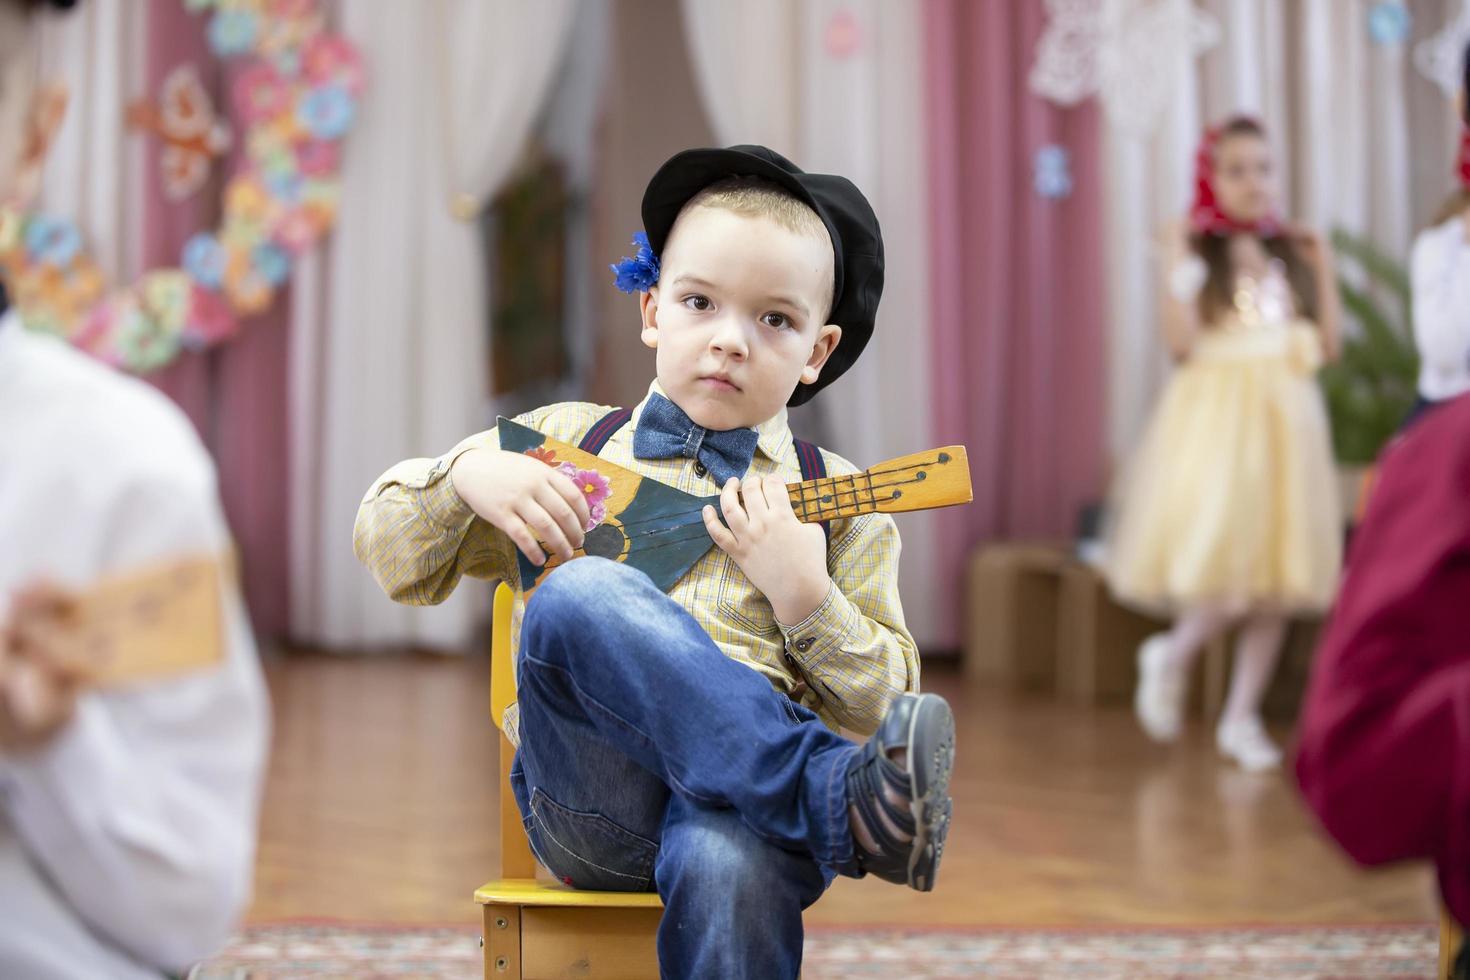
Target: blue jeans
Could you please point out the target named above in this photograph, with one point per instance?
(650, 760)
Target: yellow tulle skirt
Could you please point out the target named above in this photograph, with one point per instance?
(1232, 499)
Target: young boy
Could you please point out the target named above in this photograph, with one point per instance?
(686, 742)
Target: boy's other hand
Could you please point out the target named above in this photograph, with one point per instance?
(783, 558)
(538, 507)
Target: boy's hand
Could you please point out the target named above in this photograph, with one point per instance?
(783, 558)
(40, 648)
(534, 504)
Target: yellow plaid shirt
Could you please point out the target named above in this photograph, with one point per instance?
(845, 661)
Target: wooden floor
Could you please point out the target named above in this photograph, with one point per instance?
(382, 787)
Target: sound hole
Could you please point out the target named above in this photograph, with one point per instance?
(604, 541)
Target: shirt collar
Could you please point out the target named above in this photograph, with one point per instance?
(773, 436)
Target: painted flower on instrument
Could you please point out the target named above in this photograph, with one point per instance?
(547, 456)
(595, 488)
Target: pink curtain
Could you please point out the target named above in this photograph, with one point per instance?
(1018, 305)
(235, 393)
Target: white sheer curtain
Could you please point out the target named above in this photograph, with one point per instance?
(94, 173)
(389, 335)
(1365, 144)
(838, 87)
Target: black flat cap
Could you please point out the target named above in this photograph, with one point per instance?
(857, 242)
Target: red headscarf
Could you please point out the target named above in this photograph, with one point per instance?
(1206, 216)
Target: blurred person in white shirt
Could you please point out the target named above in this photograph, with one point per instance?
(127, 815)
(1440, 279)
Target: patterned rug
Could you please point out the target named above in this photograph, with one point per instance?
(339, 950)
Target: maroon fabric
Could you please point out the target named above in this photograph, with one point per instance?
(1018, 316)
(236, 393)
(1384, 758)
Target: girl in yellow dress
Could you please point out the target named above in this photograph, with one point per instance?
(1229, 512)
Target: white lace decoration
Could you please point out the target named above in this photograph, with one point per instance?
(1441, 58)
(1123, 51)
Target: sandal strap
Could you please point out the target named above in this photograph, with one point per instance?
(866, 792)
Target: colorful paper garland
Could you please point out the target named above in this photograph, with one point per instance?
(297, 100)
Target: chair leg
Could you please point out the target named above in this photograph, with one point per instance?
(502, 942)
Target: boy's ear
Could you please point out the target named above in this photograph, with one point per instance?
(827, 339)
(648, 306)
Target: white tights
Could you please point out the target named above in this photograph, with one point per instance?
(1256, 653)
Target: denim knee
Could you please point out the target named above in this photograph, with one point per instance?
(723, 873)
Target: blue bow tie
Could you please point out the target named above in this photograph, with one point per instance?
(664, 431)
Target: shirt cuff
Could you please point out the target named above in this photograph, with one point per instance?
(820, 636)
(438, 499)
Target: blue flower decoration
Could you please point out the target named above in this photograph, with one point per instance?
(1389, 23)
(285, 186)
(288, 62)
(638, 274)
(204, 260)
(326, 112)
(233, 32)
(1053, 172)
(53, 241)
(271, 262)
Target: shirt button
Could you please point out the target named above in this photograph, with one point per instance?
(699, 468)
(804, 644)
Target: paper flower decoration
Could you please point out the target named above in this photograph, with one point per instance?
(297, 98)
(1053, 172)
(1389, 23)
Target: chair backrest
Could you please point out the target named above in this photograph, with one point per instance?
(516, 860)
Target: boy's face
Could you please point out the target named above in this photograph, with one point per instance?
(737, 316)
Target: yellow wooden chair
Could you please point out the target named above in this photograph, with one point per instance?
(538, 929)
(1450, 937)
